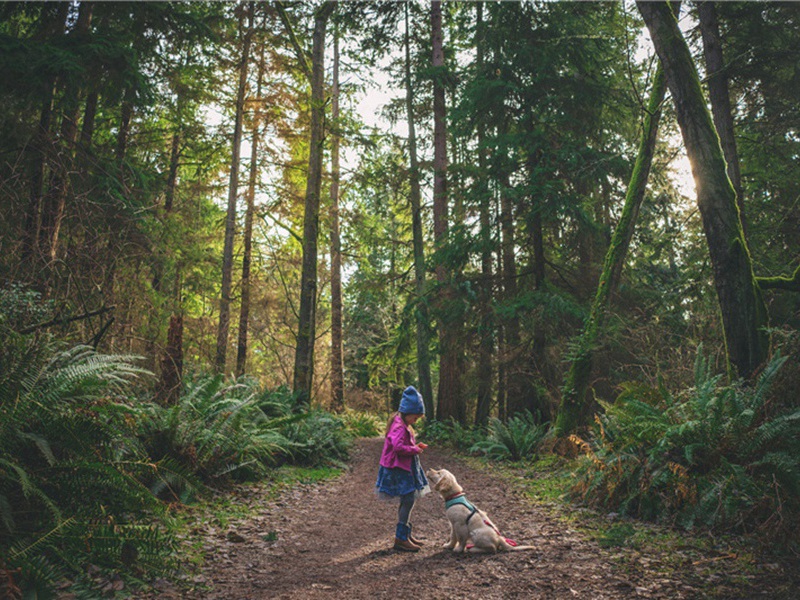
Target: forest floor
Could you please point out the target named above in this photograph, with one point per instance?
(332, 539)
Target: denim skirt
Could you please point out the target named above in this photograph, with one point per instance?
(395, 482)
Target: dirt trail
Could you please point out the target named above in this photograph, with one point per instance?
(333, 540)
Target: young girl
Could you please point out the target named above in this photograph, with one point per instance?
(400, 474)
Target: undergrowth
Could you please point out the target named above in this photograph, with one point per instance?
(89, 467)
(715, 455)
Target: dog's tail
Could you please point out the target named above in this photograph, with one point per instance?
(511, 545)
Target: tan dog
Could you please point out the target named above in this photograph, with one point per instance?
(467, 521)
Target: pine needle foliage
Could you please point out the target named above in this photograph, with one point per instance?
(712, 455)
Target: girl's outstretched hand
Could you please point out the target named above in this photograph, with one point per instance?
(422, 446)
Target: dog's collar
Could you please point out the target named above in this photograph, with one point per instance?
(454, 496)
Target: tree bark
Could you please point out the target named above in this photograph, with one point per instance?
(244, 309)
(575, 408)
(233, 188)
(337, 361)
(169, 387)
(126, 114)
(306, 329)
(449, 400)
(515, 396)
(87, 126)
(425, 387)
(172, 176)
(744, 315)
(719, 95)
(486, 329)
(41, 144)
(54, 202)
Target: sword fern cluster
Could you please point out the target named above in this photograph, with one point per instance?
(716, 455)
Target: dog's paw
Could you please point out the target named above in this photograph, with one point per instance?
(447, 545)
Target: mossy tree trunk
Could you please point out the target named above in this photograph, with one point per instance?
(718, 94)
(744, 315)
(576, 406)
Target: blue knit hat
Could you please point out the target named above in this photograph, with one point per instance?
(411, 402)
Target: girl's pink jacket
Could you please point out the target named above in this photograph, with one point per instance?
(399, 447)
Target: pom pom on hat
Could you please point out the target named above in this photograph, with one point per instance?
(411, 402)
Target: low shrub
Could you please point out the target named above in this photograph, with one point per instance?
(450, 433)
(710, 455)
(319, 438)
(517, 439)
(70, 491)
(362, 424)
(216, 432)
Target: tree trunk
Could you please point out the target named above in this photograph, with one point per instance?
(486, 329)
(233, 188)
(425, 387)
(172, 176)
(87, 126)
(337, 362)
(126, 114)
(744, 315)
(576, 408)
(244, 310)
(718, 94)
(169, 387)
(54, 202)
(449, 400)
(306, 328)
(515, 387)
(41, 145)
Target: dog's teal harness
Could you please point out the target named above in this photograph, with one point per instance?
(462, 500)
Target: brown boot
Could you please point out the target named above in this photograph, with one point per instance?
(405, 545)
(412, 539)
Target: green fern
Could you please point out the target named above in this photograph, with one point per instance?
(707, 455)
(518, 439)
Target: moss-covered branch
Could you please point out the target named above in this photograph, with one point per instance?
(574, 410)
(790, 284)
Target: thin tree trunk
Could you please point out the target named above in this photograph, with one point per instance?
(233, 189)
(306, 328)
(87, 126)
(337, 362)
(576, 405)
(718, 94)
(172, 176)
(744, 314)
(538, 404)
(425, 387)
(486, 329)
(40, 146)
(515, 398)
(449, 401)
(54, 202)
(172, 363)
(502, 378)
(126, 114)
(421, 313)
(244, 312)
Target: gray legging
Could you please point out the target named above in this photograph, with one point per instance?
(406, 504)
